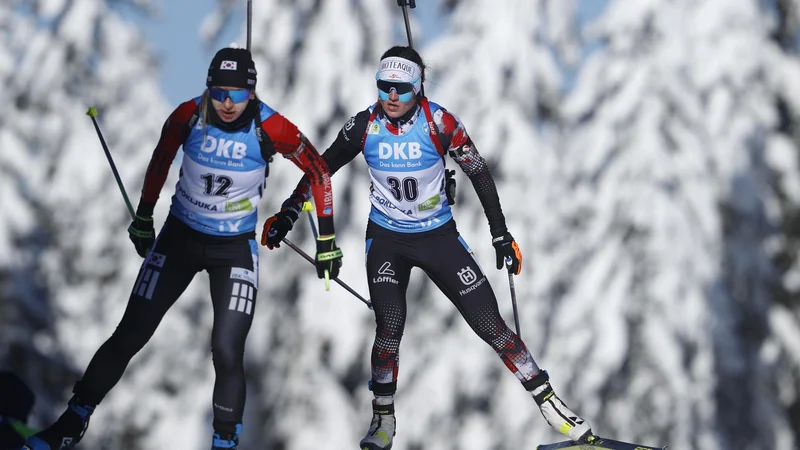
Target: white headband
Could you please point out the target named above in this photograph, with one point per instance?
(400, 70)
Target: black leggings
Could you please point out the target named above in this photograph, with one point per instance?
(180, 252)
(447, 260)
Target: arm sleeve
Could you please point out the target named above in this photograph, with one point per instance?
(293, 145)
(347, 145)
(173, 134)
(455, 139)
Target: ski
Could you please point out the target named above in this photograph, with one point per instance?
(598, 444)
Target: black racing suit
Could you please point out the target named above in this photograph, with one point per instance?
(179, 254)
(181, 251)
(440, 252)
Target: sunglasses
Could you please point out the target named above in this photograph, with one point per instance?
(404, 90)
(236, 95)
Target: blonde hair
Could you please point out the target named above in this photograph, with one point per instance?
(204, 114)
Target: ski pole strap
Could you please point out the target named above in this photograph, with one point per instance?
(329, 255)
(383, 410)
(142, 221)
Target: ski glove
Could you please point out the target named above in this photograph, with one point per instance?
(277, 227)
(142, 234)
(329, 257)
(508, 253)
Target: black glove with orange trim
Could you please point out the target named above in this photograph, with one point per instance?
(277, 227)
(508, 253)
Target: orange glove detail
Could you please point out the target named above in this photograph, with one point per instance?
(508, 253)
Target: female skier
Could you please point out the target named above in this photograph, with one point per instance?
(404, 138)
(228, 137)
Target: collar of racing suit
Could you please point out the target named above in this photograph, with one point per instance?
(402, 123)
(244, 120)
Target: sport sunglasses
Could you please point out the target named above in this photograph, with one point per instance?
(404, 90)
(236, 95)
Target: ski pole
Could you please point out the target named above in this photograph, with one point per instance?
(249, 22)
(92, 112)
(410, 4)
(513, 295)
(340, 282)
(308, 207)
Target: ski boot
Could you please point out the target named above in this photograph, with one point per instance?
(66, 432)
(381, 430)
(226, 441)
(555, 412)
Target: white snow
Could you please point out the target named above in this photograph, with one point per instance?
(648, 204)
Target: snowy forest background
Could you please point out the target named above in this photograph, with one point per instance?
(648, 163)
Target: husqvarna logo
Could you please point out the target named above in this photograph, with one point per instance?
(469, 278)
(224, 147)
(467, 275)
(399, 150)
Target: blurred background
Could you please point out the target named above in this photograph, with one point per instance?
(646, 156)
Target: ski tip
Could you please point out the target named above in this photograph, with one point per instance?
(597, 444)
(92, 112)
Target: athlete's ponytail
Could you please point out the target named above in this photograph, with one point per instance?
(204, 101)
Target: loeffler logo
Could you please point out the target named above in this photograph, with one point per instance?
(386, 269)
(386, 274)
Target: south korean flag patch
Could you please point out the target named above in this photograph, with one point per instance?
(228, 65)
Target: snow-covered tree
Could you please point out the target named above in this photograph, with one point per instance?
(656, 209)
(664, 243)
(66, 263)
(781, 349)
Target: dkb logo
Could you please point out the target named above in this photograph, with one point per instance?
(398, 150)
(224, 147)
